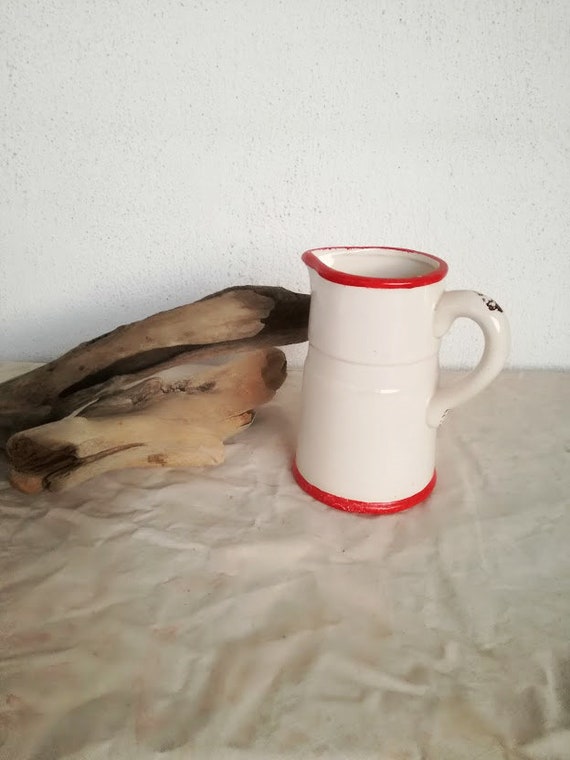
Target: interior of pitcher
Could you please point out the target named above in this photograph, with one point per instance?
(383, 263)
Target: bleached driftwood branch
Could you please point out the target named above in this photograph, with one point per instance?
(126, 399)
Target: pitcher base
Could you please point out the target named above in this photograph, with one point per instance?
(362, 507)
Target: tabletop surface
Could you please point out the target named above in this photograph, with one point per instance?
(222, 613)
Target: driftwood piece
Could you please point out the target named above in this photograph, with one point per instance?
(158, 423)
(235, 319)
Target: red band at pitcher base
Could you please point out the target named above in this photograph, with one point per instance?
(362, 507)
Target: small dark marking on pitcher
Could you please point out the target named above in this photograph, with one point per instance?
(491, 305)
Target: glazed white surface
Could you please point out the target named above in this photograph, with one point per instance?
(371, 401)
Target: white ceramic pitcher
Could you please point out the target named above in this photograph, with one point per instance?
(371, 404)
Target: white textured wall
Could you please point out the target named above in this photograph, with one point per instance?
(154, 151)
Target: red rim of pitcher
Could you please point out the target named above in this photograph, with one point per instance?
(361, 281)
(363, 507)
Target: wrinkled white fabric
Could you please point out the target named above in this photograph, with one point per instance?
(222, 613)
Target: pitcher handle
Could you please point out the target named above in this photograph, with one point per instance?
(490, 317)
